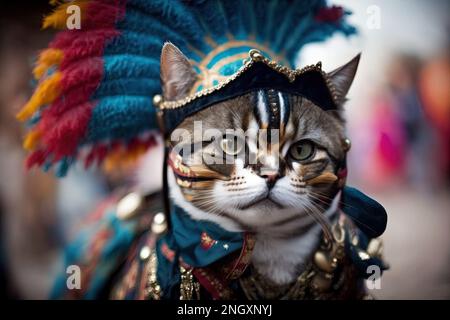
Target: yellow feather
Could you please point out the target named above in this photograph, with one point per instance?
(31, 140)
(58, 19)
(47, 91)
(48, 58)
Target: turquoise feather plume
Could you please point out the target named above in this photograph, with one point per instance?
(94, 96)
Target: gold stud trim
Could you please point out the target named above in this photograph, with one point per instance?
(347, 144)
(188, 285)
(315, 282)
(159, 224)
(254, 56)
(153, 288)
(157, 100)
(129, 206)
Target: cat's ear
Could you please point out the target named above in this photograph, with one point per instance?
(342, 78)
(177, 74)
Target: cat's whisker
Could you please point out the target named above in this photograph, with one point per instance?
(321, 195)
(211, 208)
(345, 205)
(315, 213)
(305, 204)
(314, 197)
(326, 228)
(209, 200)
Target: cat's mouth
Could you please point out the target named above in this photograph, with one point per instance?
(263, 200)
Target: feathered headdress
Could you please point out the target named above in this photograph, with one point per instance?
(94, 98)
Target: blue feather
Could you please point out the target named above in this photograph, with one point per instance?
(123, 99)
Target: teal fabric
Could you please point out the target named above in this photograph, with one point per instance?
(111, 255)
(186, 233)
(369, 215)
(184, 238)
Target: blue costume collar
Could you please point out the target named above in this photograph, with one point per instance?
(195, 243)
(202, 243)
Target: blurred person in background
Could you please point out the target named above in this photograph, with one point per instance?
(403, 77)
(434, 86)
(404, 141)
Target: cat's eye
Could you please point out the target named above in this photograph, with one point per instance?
(231, 145)
(302, 150)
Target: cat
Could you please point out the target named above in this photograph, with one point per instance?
(290, 193)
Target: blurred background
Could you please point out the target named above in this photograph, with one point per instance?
(398, 117)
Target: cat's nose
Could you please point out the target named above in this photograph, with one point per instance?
(271, 178)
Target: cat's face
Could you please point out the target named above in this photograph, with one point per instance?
(270, 165)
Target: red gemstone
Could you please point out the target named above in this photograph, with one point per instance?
(206, 241)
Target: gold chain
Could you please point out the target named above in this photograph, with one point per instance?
(152, 287)
(188, 285)
(319, 280)
(314, 282)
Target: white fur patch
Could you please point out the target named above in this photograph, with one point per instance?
(282, 260)
(275, 257)
(262, 108)
(194, 212)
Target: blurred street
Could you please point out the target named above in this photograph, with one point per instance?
(416, 245)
